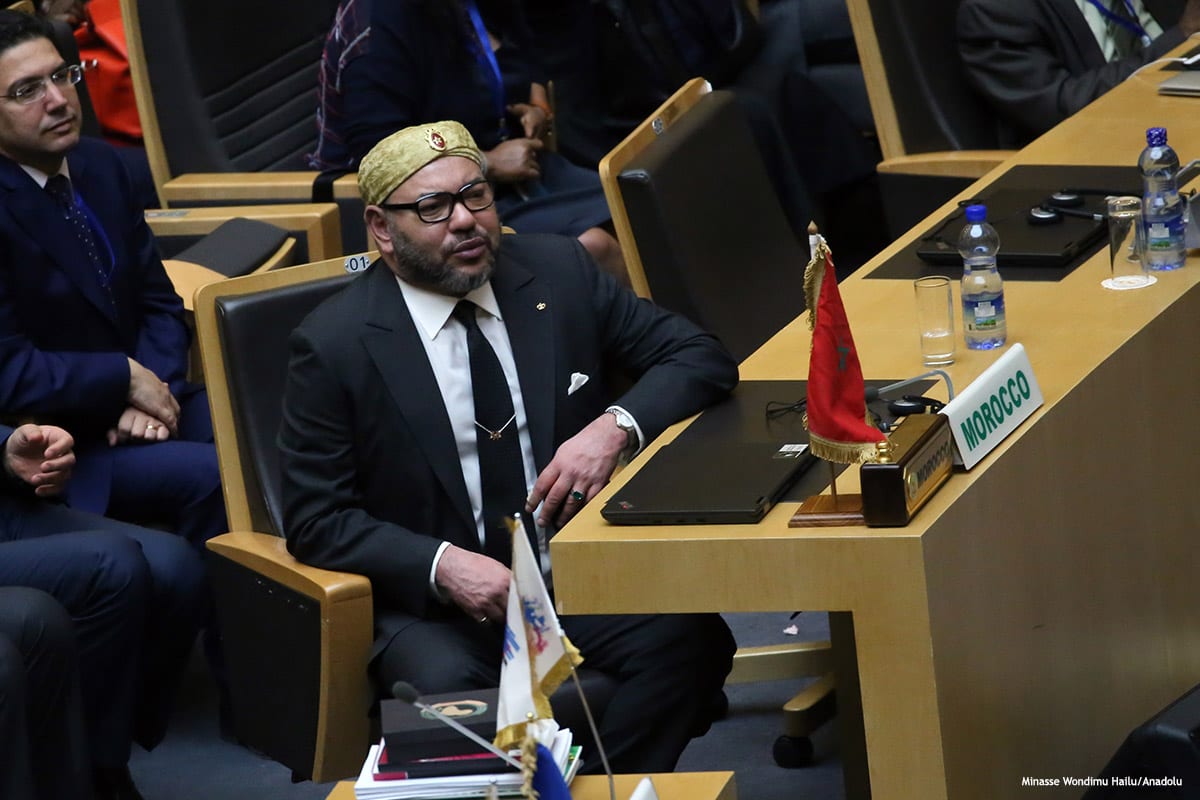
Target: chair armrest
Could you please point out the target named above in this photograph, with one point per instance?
(318, 223)
(250, 187)
(300, 701)
(948, 163)
(268, 555)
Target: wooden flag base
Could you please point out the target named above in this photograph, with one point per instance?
(829, 511)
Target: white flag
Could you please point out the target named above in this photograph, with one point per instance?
(537, 657)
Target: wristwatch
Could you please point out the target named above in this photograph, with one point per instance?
(625, 423)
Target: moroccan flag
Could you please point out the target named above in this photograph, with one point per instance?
(836, 412)
(537, 657)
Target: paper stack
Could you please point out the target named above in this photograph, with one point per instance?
(373, 784)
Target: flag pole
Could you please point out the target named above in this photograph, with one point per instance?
(587, 712)
(833, 482)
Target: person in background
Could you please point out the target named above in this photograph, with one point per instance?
(136, 599)
(92, 333)
(1039, 61)
(392, 64)
(44, 756)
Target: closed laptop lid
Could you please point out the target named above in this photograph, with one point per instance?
(1022, 243)
(1185, 83)
(697, 482)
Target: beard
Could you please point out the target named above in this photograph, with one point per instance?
(434, 271)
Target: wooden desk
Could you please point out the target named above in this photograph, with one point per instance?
(1043, 604)
(672, 786)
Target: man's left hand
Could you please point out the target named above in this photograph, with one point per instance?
(580, 468)
(40, 455)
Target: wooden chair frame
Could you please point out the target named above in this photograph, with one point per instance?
(612, 164)
(896, 157)
(343, 729)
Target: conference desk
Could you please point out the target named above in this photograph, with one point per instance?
(669, 786)
(1043, 604)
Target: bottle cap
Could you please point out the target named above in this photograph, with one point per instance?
(976, 213)
(1156, 137)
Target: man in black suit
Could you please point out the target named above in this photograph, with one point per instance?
(1040, 61)
(427, 397)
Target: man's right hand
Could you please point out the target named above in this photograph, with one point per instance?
(514, 161)
(40, 455)
(477, 584)
(148, 393)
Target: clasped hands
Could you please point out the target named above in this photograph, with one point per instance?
(152, 414)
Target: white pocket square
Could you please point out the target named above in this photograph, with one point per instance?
(578, 379)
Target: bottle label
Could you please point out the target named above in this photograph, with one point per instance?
(984, 316)
(1165, 234)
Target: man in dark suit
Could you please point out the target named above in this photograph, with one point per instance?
(1040, 61)
(427, 397)
(136, 598)
(92, 335)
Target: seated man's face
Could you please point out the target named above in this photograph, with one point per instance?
(41, 132)
(453, 256)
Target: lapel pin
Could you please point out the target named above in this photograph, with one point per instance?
(541, 306)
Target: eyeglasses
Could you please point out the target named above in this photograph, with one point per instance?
(34, 89)
(438, 206)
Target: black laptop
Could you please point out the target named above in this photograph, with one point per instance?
(1022, 243)
(694, 482)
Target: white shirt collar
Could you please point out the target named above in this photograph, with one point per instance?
(430, 310)
(40, 177)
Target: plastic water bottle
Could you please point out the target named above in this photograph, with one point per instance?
(1162, 210)
(984, 326)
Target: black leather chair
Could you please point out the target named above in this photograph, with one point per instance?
(936, 134)
(705, 225)
(296, 638)
(227, 96)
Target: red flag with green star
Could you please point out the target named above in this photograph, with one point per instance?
(836, 414)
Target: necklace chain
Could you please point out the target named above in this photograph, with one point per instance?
(493, 435)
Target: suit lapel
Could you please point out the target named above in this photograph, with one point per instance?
(528, 310)
(391, 338)
(42, 220)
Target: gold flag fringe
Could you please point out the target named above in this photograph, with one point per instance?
(841, 452)
(528, 767)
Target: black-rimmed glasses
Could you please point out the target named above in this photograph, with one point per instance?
(438, 206)
(34, 89)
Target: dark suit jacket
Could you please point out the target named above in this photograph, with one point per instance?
(63, 343)
(371, 476)
(1038, 62)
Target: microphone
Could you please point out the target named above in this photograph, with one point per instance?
(872, 393)
(407, 693)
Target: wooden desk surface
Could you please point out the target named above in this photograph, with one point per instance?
(1042, 605)
(671, 786)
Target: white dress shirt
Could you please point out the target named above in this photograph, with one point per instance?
(1102, 26)
(445, 341)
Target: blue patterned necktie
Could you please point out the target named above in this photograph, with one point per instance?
(59, 187)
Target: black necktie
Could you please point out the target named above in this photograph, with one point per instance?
(501, 469)
(59, 187)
